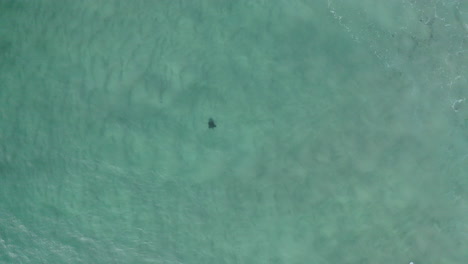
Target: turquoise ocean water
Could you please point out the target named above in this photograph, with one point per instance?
(341, 131)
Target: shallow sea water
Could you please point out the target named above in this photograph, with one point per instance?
(341, 131)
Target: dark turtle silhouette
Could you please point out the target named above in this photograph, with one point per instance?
(211, 123)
